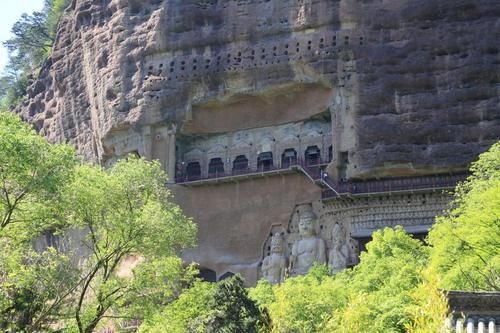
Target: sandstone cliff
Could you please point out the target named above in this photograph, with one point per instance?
(412, 86)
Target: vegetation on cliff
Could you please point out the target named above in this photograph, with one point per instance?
(465, 243)
(31, 44)
(397, 286)
(83, 246)
(81, 243)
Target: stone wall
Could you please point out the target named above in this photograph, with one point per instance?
(252, 143)
(235, 219)
(412, 88)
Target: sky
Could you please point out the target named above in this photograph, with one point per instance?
(10, 12)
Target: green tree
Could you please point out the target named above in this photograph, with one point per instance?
(54, 9)
(34, 287)
(31, 44)
(179, 315)
(383, 282)
(13, 88)
(465, 242)
(100, 221)
(302, 303)
(126, 212)
(34, 35)
(231, 311)
(429, 308)
(375, 296)
(32, 175)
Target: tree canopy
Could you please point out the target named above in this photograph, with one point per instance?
(80, 243)
(465, 241)
(33, 173)
(397, 286)
(83, 245)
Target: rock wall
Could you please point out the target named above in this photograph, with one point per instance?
(413, 86)
(235, 219)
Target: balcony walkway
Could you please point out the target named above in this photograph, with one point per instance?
(313, 173)
(330, 188)
(393, 185)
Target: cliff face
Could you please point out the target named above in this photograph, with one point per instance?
(411, 86)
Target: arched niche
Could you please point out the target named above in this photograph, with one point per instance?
(193, 170)
(215, 167)
(226, 275)
(312, 155)
(240, 165)
(265, 161)
(288, 157)
(208, 275)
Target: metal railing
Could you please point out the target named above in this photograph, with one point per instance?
(391, 185)
(314, 170)
(311, 168)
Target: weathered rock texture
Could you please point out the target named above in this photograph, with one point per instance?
(417, 83)
(411, 87)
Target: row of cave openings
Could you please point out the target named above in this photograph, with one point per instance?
(248, 59)
(192, 171)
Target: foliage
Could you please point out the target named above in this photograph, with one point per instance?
(231, 310)
(31, 41)
(177, 316)
(54, 9)
(127, 212)
(302, 303)
(384, 279)
(373, 297)
(33, 287)
(31, 44)
(13, 87)
(465, 252)
(32, 175)
(429, 308)
(114, 236)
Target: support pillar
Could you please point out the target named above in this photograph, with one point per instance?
(171, 162)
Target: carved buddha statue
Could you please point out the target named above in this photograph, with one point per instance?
(339, 253)
(309, 248)
(274, 265)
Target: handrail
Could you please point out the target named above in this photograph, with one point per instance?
(394, 185)
(316, 173)
(314, 169)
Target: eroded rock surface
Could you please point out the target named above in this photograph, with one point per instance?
(403, 88)
(412, 86)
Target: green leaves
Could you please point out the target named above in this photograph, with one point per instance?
(32, 174)
(127, 214)
(180, 316)
(466, 250)
(372, 297)
(31, 44)
(230, 310)
(114, 234)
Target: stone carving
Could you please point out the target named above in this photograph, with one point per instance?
(274, 265)
(339, 253)
(309, 248)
